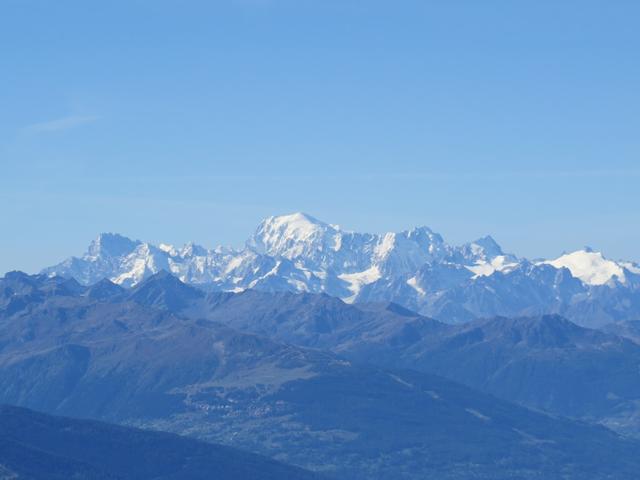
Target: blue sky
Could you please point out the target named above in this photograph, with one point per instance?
(190, 120)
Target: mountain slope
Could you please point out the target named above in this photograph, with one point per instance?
(415, 268)
(122, 361)
(630, 330)
(36, 446)
(545, 362)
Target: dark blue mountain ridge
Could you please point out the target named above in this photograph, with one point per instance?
(544, 362)
(163, 290)
(105, 289)
(123, 361)
(36, 446)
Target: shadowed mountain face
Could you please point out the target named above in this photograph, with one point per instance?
(163, 290)
(37, 446)
(630, 330)
(317, 321)
(125, 361)
(544, 362)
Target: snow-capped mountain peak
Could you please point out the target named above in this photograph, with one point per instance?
(292, 236)
(487, 247)
(407, 251)
(415, 268)
(590, 267)
(111, 245)
(191, 250)
(170, 249)
(482, 250)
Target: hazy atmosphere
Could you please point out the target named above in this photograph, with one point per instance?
(174, 121)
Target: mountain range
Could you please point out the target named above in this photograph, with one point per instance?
(416, 269)
(544, 362)
(158, 356)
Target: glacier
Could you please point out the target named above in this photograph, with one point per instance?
(415, 268)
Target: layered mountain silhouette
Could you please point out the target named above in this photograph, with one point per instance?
(38, 446)
(159, 356)
(415, 268)
(544, 362)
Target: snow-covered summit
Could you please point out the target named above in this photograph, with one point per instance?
(485, 248)
(590, 267)
(292, 236)
(415, 268)
(111, 245)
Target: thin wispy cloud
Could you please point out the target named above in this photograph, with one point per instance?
(61, 124)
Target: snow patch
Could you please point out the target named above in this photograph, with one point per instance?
(497, 264)
(384, 248)
(357, 280)
(167, 248)
(632, 267)
(590, 267)
(413, 283)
